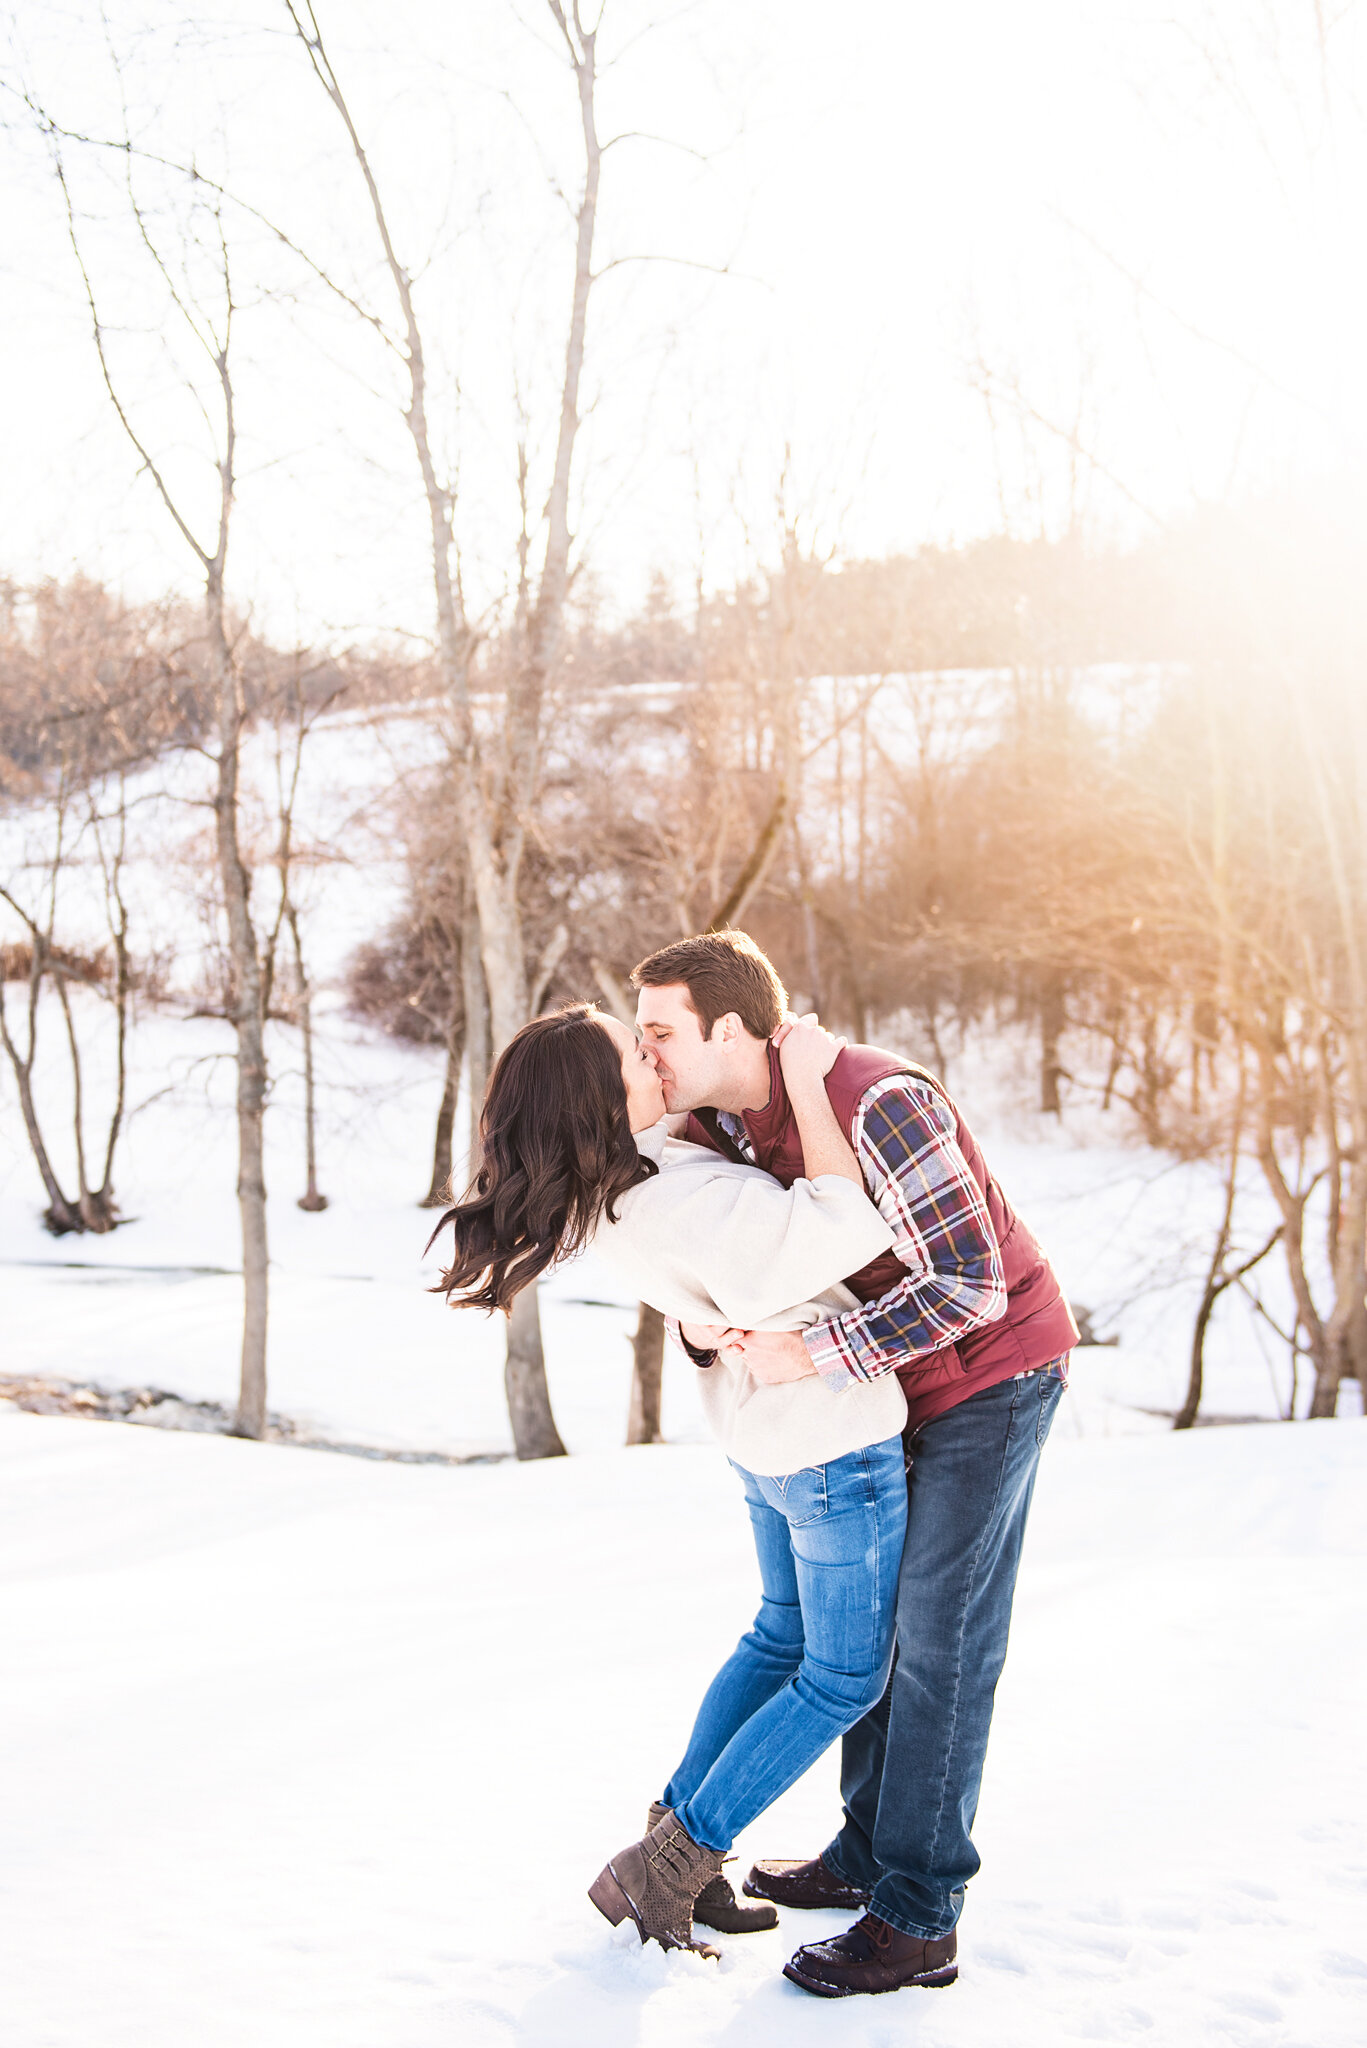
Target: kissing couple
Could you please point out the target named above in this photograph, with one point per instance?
(880, 1346)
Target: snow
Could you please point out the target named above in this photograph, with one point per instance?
(308, 1751)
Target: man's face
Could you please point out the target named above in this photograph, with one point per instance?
(691, 1067)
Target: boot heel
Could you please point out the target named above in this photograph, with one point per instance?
(608, 1896)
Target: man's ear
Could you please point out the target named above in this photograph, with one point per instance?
(728, 1028)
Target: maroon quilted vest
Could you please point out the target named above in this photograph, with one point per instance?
(1037, 1326)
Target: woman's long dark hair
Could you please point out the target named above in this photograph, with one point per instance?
(556, 1151)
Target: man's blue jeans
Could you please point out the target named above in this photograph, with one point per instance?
(830, 1545)
(911, 1770)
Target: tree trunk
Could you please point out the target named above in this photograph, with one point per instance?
(1324, 1401)
(310, 1200)
(439, 1188)
(118, 926)
(1116, 1056)
(524, 1378)
(1291, 1205)
(1185, 1417)
(103, 1199)
(1053, 1018)
(251, 1201)
(751, 877)
(1347, 1325)
(249, 1026)
(500, 947)
(1150, 1089)
(60, 1216)
(95, 1206)
(1216, 1281)
(477, 1059)
(77, 1098)
(1324, 1353)
(647, 1377)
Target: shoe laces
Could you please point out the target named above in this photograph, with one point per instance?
(875, 1931)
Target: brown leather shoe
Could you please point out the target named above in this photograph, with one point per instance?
(716, 1905)
(811, 1884)
(654, 1882)
(873, 1957)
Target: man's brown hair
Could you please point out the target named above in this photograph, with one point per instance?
(722, 971)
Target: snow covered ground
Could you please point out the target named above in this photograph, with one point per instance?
(307, 1752)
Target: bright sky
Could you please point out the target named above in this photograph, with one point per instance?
(1141, 228)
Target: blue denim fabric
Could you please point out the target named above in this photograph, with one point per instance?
(911, 1770)
(830, 1542)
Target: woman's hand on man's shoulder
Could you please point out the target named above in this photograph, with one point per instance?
(806, 1050)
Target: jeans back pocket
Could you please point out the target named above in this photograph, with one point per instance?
(799, 1496)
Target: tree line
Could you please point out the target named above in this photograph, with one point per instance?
(1132, 820)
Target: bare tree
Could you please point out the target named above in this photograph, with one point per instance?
(302, 716)
(36, 962)
(1220, 1275)
(210, 330)
(497, 782)
(85, 697)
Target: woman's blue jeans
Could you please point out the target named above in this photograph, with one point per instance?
(830, 1544)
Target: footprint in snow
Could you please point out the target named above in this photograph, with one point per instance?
(1249, 2006)
(1335, 1964)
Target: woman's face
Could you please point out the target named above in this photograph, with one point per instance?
(645, 1096)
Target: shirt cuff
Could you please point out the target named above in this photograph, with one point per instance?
(701, 1359)
(824, 1351)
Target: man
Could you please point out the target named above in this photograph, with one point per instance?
(967, 1312)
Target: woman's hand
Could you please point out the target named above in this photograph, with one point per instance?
(806, 1051)
(707, 1336)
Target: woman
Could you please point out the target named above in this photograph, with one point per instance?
(576, 1150)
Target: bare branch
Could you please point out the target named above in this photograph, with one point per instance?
(134, 152)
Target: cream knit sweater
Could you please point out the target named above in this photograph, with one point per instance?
(709, 1240)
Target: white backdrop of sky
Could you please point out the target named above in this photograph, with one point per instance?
(983, 264)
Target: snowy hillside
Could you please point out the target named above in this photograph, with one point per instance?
(359, 1352)
(306, 1752)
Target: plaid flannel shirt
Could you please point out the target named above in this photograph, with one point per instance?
(905, 1139)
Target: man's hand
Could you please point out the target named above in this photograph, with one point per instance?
(772, 1357)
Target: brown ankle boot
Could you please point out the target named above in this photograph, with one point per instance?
(717, 1905)
(655, 1882)
(810, 1884)
(873, 1957)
